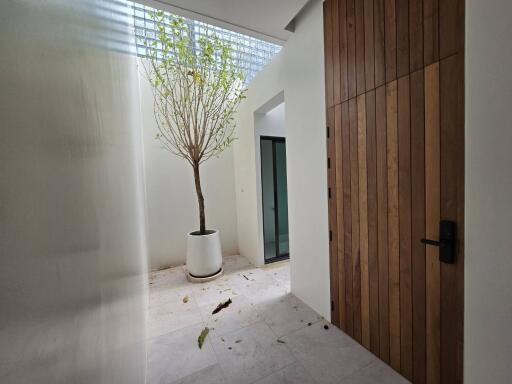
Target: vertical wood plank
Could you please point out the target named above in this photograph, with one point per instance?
(382, 221)
(431, 31)
(369, 48)
(418, 225)
(363, 221)
(349, 118)
(451, 79)
(360, 51)
(416, 34)
(339, 215)
(451, 27)
(372, 222)
(393, 224)
(402, 37)
(432, 218)
(343, 49)
(332, 220)
(380, 60)
(329, 95)
(390, 37)
(354, 193)
(351, 49)
(336, 51)
(404, 196)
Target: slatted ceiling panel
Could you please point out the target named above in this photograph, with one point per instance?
(363, 221)
(416, 34)
(418, 225)
(431, 31)
(369, 48)
(432, 218)
(390, 51)
(379, 27)
(338, 123)
(331, 158)
(336, 51)
(329, 83)
(351, 48)
(402, 37)
(398, 167)
(371, 154)
(360, 50)
(343, 42)
(393, 224)
(382, 221)
(354, 193)
(404, 203)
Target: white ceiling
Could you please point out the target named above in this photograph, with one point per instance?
(265, 19)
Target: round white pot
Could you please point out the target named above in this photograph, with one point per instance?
(204, 254)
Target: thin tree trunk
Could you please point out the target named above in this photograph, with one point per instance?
(200, 200)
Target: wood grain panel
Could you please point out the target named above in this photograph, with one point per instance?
(416, 34)
(354, 193)
(369, 48)
(338, 195)
(451, 77)
(393, 224)
(418, 225)
(382, 221)
(329, 95)
(431, 31)
(332, 219)
(451, 27)
(351, 49)
(404, 202)
(360, 49)
(363, 221)
(402, 37)
(336, 68)
(343, 42)
(379, 32)
(372, 222)
(390, 37)
(432, 218)
(351, 108)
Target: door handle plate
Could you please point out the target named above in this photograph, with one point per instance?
(446, 243)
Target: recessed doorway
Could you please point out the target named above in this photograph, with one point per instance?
(274, 198)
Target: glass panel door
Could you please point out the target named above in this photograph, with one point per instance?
(274, 198)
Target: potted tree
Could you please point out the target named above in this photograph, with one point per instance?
(197, 88)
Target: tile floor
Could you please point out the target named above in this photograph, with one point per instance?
(266, 336)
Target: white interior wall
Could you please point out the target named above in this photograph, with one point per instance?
(298, 70)
(488, 263)
(171, 195)
(72, 240)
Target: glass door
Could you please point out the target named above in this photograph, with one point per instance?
(274, 198)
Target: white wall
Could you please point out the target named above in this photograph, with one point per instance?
(171, 196)
(298, 70)
(488, 264)
(72, 238)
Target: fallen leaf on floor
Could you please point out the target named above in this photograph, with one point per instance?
(222, 339)
(246, 278)
(326, 326)
(202, 336)
(309, 324)
(230, 348)
(185, 299)
(221, 306)
(238, 341)
(281, 341)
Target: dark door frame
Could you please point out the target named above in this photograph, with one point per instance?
(278, 257)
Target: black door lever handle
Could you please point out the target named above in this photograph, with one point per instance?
(446, 242)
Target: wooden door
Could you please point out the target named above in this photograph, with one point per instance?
(395, 137)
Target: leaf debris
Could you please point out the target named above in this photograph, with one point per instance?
(185, 299)
(221, 306)
(202, 337)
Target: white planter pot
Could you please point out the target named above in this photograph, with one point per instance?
(204, 254)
